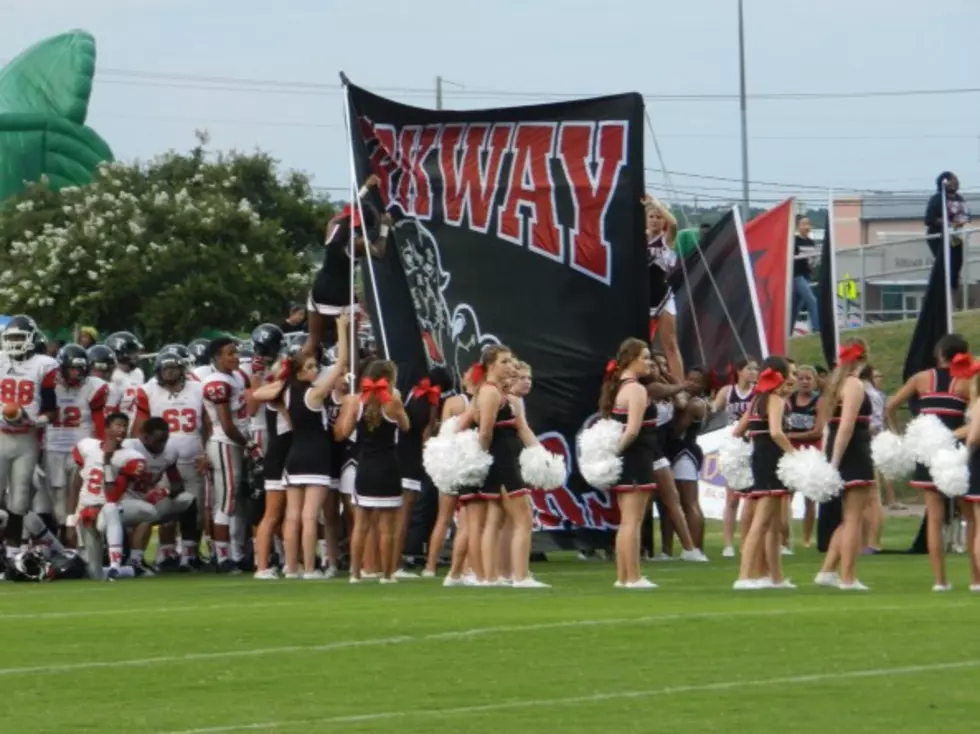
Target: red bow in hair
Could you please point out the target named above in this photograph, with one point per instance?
(769, 380)
(353, 213)
(963, 366)
(426, 388)
(477, 373)
(610, 367)
(378, 387)
(850, 354)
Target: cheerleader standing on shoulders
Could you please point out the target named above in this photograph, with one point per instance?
(735, 399)
(765, 425)
(453, 407)
(971, 502)
(422, 409)
(624, 399)
(848, 448)
(944, 395)
(378, 415)
(661, 229)
(503, 432)
(306, 472)
(805, 430)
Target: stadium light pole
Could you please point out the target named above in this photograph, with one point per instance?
(438, 92)
(741, 104)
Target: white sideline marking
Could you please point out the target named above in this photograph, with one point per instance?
(442, 636)
(135, 611)
(728, 685)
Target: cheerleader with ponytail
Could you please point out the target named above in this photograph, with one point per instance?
(765, 425)
(971, 502)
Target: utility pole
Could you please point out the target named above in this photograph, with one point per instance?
(438, 92)
(741, 103)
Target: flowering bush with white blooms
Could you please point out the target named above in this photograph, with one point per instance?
(166, 248)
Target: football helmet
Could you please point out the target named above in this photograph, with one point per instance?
(267, 340)
(125, 345)
(169, 366)
(73, 363)
(17, 340)
(198, 350)
(101, 358)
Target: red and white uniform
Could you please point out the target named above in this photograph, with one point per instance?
(162, 473)
(22, 383)
(257, 421)
(225, 455)
(202, 373)
(128, 383)
(101, 482)
(114, 399)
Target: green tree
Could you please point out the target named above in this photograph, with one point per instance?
(165, 248)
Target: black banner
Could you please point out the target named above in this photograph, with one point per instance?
(717, 311)
(520, 226)
(827, 298)
(931, 325)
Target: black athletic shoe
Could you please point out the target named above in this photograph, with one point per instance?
(228, 566)
(170, 564)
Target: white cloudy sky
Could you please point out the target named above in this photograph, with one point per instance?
(273, 67)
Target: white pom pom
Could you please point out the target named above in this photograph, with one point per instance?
(438, 460)
(949, 471)
(890, 456)
(471, 463)
(598, 453)
(808, 472)
(926, 436)
(735, 462)
(542, 469)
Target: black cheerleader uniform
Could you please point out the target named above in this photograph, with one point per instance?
(766, 454)
(660, 260)
(640, 456)
(686, 446)
(803, 418)
(378, 483)
(410, 443)
(942, 402)
(973, 465)
(737, 404)
(308, 461)
(505, 448)
(278, 442)
(332, 407)
(857, 468)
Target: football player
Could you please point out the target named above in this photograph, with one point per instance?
(27, 394)
(101, 364)
(226, 404)
(127, 376)
(107, 471)
(155, 443)
(81, 400)
(178, 401)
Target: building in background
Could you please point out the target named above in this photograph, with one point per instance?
(881, 246)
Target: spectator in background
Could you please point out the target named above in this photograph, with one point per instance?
(703, 230)
(803, 249)
(87, 337)
(957, 214)
(296, 321)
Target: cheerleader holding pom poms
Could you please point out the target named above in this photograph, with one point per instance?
(848, 447)
(378, 414)
(765, 425)
(971, 502)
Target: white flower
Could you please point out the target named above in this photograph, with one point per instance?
(197, 177)
(148, 269)
(108, 198)
(92, 275)
(135, 228)
(244, 207)
(130, 249)
(116, 182)
(28, 234)
(26, 206)
(243, 249)
(259, 258)
(161, 199)
(67, 209)
(181, 196)
(207, 304)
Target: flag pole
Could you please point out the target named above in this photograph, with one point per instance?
(750, 278)
(357, 202)
(790, 262)
(743, 113)
(832, 252)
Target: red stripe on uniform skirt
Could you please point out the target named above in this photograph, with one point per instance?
(231, 484)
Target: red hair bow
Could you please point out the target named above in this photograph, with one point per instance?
(852, 353)
(427, 389)
(353, 213)
(769, 380)
(963, 366)
(610, 367)
(378, 387)
(477, 373)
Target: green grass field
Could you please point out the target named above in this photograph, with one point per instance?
(207, 654)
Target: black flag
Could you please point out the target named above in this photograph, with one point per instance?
(827, 297)
(716, 302)
(931, 325)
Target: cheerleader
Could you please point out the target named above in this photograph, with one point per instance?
(661, 230)
(378, 415)
(503, 432)
(874, 519)
(943, 394)
(306, 470)
(332, 292)
(624, 399)
(685, 453)
(848, 447)
(804, 430)
(765, 425)
(520, 389)
(422, 408)
(337, 500)
(453, 407)
(735, 399)
(971, 502)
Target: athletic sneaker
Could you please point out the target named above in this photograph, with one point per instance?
(942, 587)
(827, 578)
(530, 583)
(314, 575)
(746, 585)
(294, 576)
(427, 574)
(401, 573)
(786, 551)
(269, 574)
(974, 587)
(453, 581)
(386, 580)
(855, 585)
(728, 552)
(641, 583)
(695, 555)
(784, 584)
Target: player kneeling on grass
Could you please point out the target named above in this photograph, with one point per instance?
(162, 487)
(107, 471)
